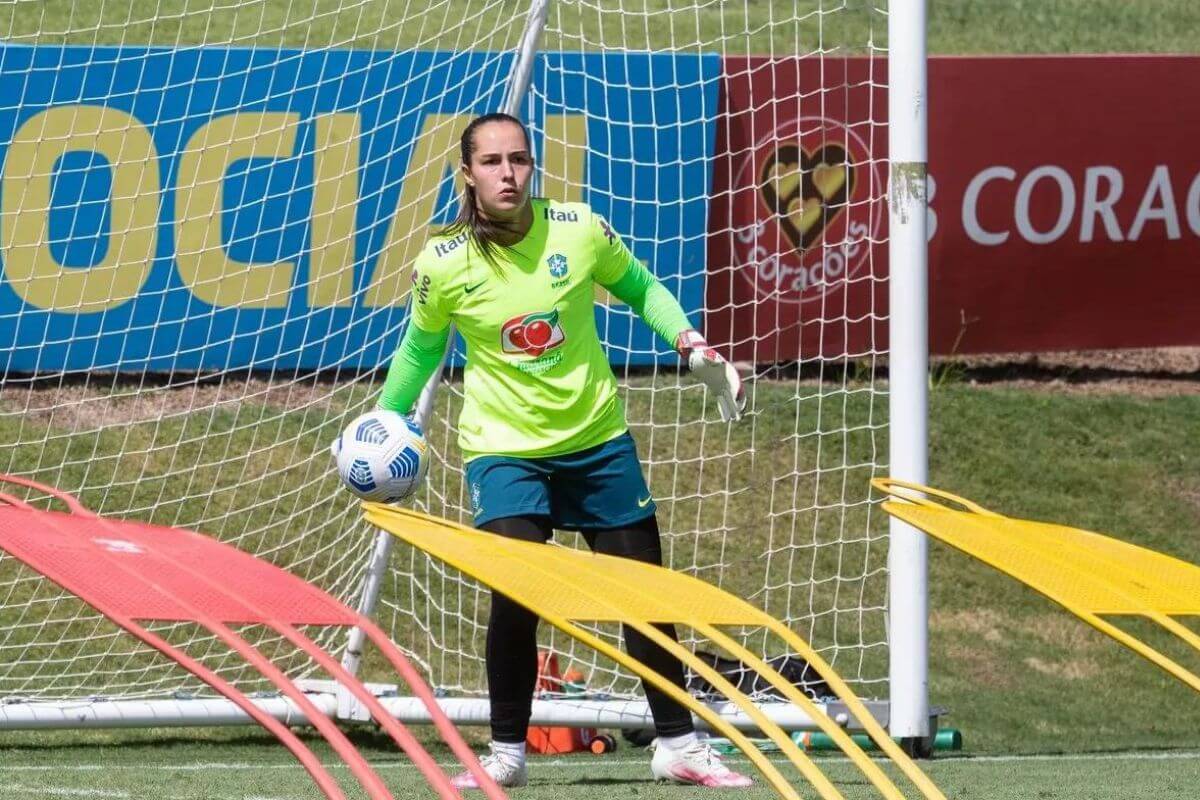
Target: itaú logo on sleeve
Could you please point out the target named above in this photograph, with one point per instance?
(532, 334)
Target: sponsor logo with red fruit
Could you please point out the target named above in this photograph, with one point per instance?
(532, 334)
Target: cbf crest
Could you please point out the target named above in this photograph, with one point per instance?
(558, 265)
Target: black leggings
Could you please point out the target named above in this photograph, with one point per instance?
(512, 634)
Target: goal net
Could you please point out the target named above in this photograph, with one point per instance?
(207, 218)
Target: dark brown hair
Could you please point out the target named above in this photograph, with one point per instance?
(484, 232)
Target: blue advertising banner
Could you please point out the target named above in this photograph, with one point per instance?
(209, 209)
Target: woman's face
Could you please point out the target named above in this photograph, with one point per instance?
(500, 169)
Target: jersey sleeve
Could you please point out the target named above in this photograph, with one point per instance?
(651, 301)
(612, 256)
(415, 362)
(629, 280)
(430, 311)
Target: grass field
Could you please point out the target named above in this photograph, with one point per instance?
(252, 768)
(1050, 710)
(955, 26)
(1022, 680)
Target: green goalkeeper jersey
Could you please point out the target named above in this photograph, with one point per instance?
(537, 379)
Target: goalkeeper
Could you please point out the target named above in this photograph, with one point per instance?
(542, 430)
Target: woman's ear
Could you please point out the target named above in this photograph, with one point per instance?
(466, 173)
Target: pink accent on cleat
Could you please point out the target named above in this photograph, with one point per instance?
(503, 772)
(698, 765)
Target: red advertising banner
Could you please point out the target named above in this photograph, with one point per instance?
(1064, 206)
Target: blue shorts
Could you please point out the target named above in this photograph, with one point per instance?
(597, 488)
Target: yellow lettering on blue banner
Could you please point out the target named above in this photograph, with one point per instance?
(562, 168)
(563, 157)
(433, 153)
(36, 148)
(200, 255)
(335, 198)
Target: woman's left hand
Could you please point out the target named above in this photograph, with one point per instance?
(714, 372)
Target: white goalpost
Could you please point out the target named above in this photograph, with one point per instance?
(207, 223)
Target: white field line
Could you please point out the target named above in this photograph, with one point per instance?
(598, 763)
(64, 791)
(1169, 755)
(106, 794)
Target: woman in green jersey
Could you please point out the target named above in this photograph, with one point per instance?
(542, 430)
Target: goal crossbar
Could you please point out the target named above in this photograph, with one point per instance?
(131, 571)
(565, 586)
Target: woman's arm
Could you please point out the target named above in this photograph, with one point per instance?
(417, 358)
(646, 295)
(653, 302)
(420, 351)
(623, 275)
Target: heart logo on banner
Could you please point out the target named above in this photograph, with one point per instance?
(806, 190)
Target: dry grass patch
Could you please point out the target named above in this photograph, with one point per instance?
(984, 622)
(1066, 631)
(92, 406)
(1072, 669)
(982, 665)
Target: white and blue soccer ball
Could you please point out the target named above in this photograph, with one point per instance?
(382, 456)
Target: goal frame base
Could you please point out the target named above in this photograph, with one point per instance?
(177, 712)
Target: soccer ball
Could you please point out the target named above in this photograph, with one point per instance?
(382, 456)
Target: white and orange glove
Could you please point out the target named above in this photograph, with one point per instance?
(714, 372)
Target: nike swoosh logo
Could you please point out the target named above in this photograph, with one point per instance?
(643, 503)
(469, 289)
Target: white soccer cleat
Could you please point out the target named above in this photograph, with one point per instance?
(504, 771)
(697, 764)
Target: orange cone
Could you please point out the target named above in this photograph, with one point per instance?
(557, 740)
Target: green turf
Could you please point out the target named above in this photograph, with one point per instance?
(252, 767)
(1004, 659)
(955, 26)
(1017, 674)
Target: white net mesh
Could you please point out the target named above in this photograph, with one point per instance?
(208, 214)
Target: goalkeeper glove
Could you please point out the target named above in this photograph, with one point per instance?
(714, 372)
